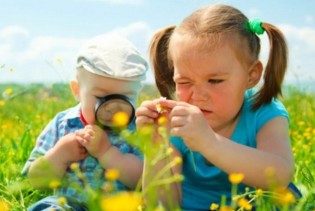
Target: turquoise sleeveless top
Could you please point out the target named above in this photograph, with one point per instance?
(207, 183)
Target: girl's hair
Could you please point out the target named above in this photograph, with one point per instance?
(211, 22)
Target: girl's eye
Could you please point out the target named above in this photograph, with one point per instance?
(215, 81)
(182, 83)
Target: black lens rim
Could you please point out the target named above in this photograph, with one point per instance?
(110, 97)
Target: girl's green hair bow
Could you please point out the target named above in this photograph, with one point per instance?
(255, 26)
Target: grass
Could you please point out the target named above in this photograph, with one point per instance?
(26, 109)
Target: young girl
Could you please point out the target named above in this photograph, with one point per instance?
(220, 125)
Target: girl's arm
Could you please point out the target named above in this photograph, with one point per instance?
(273, 154)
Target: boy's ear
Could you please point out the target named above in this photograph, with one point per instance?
(255, 72)
(74, 85)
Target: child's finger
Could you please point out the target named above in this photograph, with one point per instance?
(145, 111)
(168, 104)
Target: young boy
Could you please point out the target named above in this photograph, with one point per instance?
(106, 65)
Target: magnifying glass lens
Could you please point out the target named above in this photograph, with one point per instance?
(106, 110)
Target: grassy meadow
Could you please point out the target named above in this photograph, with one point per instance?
(26, 109)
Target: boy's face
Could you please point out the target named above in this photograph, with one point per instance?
(90, 88)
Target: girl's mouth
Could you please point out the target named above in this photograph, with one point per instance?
(206, 112)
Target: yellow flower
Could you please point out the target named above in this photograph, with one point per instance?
(58, 59)
(236, 178)
(74, 166)
(120, 119)
(225, 208)
(301, 123)
(2, 103)
(214, 206)
(178, 160)
(243, 203)
(112, 174)
(285, 196)
(169, 151)
(127, 201)
(8, 91)
(54, 184)
(4, 206)
(160, 109)
(62, 201)
(162, 120)
(259, 192)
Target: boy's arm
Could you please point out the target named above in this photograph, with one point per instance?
(97, 143)
(129, 165)
(53, 164)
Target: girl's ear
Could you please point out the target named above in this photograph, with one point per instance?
(255, 72)
(74, 85)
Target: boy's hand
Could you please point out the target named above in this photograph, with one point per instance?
(68, 150)
(94, 139)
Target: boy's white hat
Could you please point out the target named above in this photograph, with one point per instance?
(112, 55)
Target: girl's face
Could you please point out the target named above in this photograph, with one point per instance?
(92, 87)
(214, 81)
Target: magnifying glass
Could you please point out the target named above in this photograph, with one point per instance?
(108, 106)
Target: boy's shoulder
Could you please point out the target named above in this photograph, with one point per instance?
(71, 114)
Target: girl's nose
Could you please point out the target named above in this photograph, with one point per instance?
(200, 93)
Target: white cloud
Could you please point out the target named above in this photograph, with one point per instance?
(138, 33)
(36, 56)
(309, 19)
(301, 42)
(12, 32)
(305, 35)
(253, 12)
(129, 2)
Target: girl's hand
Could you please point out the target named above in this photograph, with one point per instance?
(94, 139)
(188, 122)
(148, 112)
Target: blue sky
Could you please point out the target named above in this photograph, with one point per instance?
(39, 39)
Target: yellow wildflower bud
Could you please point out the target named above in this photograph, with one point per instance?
(236, 178)
(74, 166)
(58, 60)
(160, 109)
(54, 184)
(8, 91)
(62, 201)
(259, 192)
(120, 119)
(178, 160)
(243, 203)
(112, 174)
(4, 206)
(127, 201)
(285, 196)
(162, 120)
(214, 206)
(169, 151)
(226, 208)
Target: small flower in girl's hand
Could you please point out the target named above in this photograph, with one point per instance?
(159, 108)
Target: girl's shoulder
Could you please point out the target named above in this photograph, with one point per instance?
(265, 112)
